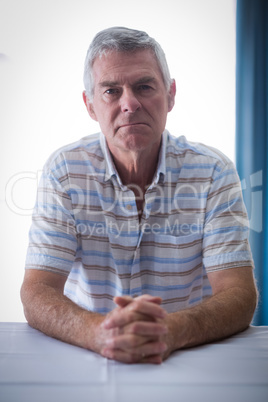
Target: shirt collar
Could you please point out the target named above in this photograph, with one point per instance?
(111, 169)
(161, 166)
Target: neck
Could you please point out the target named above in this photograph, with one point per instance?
(136, 169)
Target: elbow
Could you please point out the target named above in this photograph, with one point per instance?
(250, 303)
(25, 296)
(254, 298)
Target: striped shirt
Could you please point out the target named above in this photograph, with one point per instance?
(86, 225)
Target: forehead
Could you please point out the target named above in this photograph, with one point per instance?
(126, 66)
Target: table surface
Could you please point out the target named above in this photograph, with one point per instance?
(37, 368)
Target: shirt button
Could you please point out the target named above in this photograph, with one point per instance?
(129, 207)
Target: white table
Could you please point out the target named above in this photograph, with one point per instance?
(36, 368)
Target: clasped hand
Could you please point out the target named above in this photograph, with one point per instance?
(134, 332)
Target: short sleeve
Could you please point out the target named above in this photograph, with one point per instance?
(226, 229)
(52, 236)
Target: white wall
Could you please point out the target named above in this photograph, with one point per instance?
(42, 48)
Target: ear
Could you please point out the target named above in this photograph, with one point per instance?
(89, 107)
(171, 95)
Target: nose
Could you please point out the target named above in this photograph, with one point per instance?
(129, 102)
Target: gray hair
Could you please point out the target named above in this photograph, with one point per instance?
(122, 40)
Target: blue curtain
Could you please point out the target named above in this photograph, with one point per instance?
(252, 133)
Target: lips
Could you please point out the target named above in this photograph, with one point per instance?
(132, 124)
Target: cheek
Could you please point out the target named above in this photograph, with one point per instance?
(160, 108)
(102, 114)
(160, 114)
(107, 121)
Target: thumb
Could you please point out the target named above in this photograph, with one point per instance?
(123, 301)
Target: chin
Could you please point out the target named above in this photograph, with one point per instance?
(137, 143)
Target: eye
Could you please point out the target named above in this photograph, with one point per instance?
(145, 87)
(112, 91)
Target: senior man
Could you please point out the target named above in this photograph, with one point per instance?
(138, 245)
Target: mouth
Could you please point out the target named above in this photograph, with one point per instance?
(132, 125)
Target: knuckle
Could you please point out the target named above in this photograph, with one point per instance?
(133, 341)
(133, 358)
(134, 328)
(115, 332)
(111, 342)
(134, 306)
(108, 353)
(132, 316)
(139, 304)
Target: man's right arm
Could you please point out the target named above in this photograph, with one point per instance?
(48, 310)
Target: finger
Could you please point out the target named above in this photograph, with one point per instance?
(118, 318)
(146, 328)
(119, 355)
(137, 344)
(126, 342)
(125, 357)
(144, 353)
(123, 301)
(137, 310)
(157, 359)
(146, 307)
(151, 348)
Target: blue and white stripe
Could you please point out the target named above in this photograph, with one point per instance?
(86, 225)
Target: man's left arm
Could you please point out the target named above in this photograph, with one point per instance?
(229, 267)
(228, 311)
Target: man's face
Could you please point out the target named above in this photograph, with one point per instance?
(130, 100)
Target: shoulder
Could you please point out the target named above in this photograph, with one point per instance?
(89, 144)
(195, 156)
(84, 152)
(181, 146)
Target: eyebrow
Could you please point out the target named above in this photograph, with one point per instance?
(145, 80)
(108, 84)
(142, 80)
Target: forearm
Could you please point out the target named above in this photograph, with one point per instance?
(220, 316)
(129, 333)
(49, 311)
